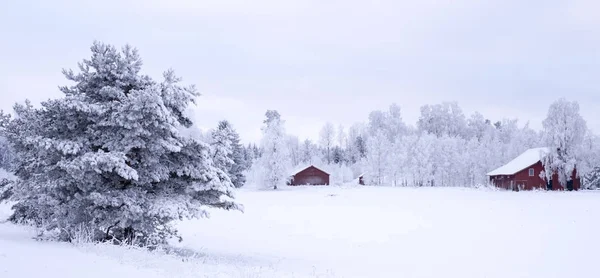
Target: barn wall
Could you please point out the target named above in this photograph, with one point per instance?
(525, 182)
(310, 176)
(503, 181)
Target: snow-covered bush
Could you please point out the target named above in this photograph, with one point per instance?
(110, 156)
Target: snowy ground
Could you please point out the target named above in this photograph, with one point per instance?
(351, 232)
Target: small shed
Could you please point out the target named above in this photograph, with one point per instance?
(524, 173)
(361, 179)
(309, 175)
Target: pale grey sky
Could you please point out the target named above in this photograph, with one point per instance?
(319, 61)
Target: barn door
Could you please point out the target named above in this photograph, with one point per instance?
(549, 185)
(570, 185)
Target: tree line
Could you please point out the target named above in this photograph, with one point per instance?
(444, 147)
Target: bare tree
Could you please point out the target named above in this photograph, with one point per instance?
(327, 136)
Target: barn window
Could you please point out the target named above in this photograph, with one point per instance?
(531, 172)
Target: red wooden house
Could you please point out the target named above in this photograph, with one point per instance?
(310, 175)
(524, 173)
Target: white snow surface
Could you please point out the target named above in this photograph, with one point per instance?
(524, 160)
(349, 232)
(6, 175)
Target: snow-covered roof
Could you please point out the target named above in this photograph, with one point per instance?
(526, 159)
(301, 167)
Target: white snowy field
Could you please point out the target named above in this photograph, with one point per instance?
(350, 232)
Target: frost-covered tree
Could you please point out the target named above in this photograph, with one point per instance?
(275, 159)
(252, 153)
(397, 162)
(6, 153)
(356, 149)
(293, 145)
(326, 138)
(341, 136)
(387, 122)
(590, 161)
(377, 160)
(310, 152)
(337, 155)
(110, 156)
(478, 126)
(221, 149)
(228, 153)
(420, 153)
(564, 132)
(442, 119)
(394, 123)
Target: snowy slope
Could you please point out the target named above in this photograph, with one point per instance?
(349, 232)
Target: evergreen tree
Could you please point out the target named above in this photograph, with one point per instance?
(248, 155)
(592, 179)
(110, 155)
(228, 154)
(6, 153)
(257, 153)
(338, 155)
(361, 147)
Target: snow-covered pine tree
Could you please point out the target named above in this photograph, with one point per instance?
(240, 164)
(337, 155)
(274, 159)
(228, 153)
(6, 160)
(592, 179)
(6, 153)
(221, 147)
(257, 151)
(109, 155)
(248, 155)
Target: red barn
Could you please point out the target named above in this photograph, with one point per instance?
(310, 175)
(523, 173)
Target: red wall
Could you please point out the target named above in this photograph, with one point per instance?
(525, 182)
(502, 181)
(310, 176)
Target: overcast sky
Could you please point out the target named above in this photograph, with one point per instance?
(319, 61)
